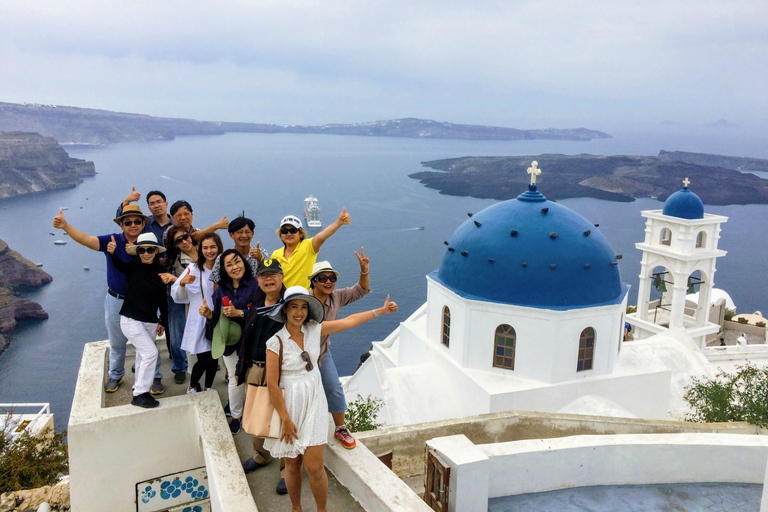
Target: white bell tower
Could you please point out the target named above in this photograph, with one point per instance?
(679, 255)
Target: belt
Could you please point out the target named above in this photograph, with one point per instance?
(260, 364)
(115, 295)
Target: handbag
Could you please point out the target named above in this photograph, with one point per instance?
(260, 418)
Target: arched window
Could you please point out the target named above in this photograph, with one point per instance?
(666, 236)
(701, 239)
(446, 326)
(586, 349)
(504, 355)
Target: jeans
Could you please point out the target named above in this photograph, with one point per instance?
(333, 390)
(117, 339)
(177, 318)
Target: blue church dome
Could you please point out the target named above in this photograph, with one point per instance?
(684, 204)
(532, 252)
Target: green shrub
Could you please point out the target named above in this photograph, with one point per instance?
(760, 324)
(739, 396)
(361, 414)
(729, 314)
(631, 309)
(31, 461)
(742, 320)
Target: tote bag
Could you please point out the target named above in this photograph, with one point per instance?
(260, 419)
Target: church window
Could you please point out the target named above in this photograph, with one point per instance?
(446, 326)
(666, 236)
(504, 357)
(586, 349)
(701, 240)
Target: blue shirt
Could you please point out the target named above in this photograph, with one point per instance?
(115, 278)
(154, 227)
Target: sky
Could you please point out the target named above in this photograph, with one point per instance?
(525, 64)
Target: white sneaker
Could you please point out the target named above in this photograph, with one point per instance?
(191, 391)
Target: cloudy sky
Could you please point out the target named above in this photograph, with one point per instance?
(519, 63)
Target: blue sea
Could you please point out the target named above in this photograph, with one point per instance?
(268, 176)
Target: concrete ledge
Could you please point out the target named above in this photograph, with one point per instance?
(112, 449)
(369, 481)
(543, 465)
(407, 442)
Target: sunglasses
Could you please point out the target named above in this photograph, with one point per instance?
(321, 279)
(146, 250)
(305, 357)
(127, 223)
(292, 230)
(178, 240)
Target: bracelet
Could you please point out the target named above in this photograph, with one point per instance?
(375, 314)
(363, 273)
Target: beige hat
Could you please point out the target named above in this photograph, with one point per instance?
(131, 209)
(322, 266)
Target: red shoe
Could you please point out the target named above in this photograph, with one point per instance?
(343, 435)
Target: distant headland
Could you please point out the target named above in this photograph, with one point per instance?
(74, 125)
(715, 178)
(16, 274)
(31, 163)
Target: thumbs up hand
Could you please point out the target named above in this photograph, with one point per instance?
(59, 221)
(205, 310)
(112, 245)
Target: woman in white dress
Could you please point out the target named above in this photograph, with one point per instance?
(299, 397)
(192, 286)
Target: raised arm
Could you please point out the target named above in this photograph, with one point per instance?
(319, 239)
(222, 224)
(365, 278)
(333, 326)
(60, 222)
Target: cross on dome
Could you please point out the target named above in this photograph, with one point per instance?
(686, 182)
(534, 171)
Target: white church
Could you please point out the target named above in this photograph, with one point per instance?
(527, 312)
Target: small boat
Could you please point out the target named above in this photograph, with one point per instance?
(65, 207)
(60, 242)
(51, 233)
(312, 212)
(86, 268)
(39, 264)
(421, 228)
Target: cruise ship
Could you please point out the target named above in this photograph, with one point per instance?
(312, 212)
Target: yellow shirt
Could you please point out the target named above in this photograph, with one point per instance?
(298, 268)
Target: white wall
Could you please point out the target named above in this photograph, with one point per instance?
(112, 449)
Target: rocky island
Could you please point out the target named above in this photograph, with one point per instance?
(74, 125)
(613, 178)
(16, 275)
(31, 163)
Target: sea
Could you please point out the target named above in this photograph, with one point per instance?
(400, 223)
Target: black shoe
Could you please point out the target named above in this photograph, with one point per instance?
(180, 378)
(234, 426)
(133, 368)
(145, 400)
(281, 487)
(250, 465)
(227, 412)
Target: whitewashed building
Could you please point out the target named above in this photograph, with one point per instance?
(527, 311)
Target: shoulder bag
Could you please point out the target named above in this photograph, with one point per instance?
(260, 418)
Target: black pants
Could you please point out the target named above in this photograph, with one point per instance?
(205, 364)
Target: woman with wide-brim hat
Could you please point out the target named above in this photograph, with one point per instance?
(145, 295)
(299, 397)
